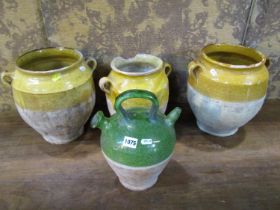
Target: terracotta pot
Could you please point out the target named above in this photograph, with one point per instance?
(53, 91)
(137, 143)
(226, 87)
(143, 71)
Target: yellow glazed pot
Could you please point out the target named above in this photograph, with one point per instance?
(144, 71)
(53, 91)
(226, 87)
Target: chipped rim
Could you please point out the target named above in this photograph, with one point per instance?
(153, 60)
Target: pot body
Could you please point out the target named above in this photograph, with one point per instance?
(226, 87)
(137, 143)
(155, 80)
(55, 102)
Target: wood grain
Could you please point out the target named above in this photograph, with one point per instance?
(238, 172)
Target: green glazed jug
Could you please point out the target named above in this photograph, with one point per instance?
(137, 143)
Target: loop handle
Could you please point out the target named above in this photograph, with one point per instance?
(194, 67)
(91, 62)
(105, 84)
(167, 68)
(267, 62)
(7, 78)
(136, 93)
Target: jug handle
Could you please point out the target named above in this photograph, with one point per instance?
(194, 67)
(7, 78)
(91, 62)
(136, 93)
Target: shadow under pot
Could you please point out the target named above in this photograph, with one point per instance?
(227, 86)
(144, 71)
(53, 91)
(138, 142)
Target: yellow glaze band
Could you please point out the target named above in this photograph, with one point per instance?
(54, 101)
(51, 79)
(155, 81)
(233, 83)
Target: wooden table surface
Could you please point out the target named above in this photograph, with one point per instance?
(206, 172)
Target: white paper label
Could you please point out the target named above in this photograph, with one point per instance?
(146, 141)
(130, 142)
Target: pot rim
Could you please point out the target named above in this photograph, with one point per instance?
(259, 62)
(40, 50)
(116, 63)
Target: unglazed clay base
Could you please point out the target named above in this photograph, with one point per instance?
(214, 132)
(60, 126)
(137, 178)
(221, 118)
(65, 138)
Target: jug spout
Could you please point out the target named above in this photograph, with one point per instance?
(99, 121)
(173, 116)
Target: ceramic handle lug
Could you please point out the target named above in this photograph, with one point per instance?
(194, 67)
(167, 68)
(267, 62)
(105, 84)
(91, 62)
(7, 78)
